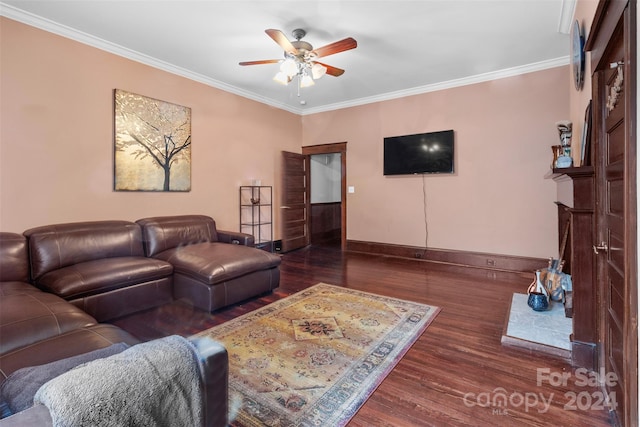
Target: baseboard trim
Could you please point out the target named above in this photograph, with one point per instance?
(584, 354)
(496, 262)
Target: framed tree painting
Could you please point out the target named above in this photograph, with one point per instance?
(152, 148)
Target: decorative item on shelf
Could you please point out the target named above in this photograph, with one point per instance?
(538, 298)
(564, 160)
(555, 281)
(557, 151)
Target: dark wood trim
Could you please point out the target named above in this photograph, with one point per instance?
(605, 21)
(325, 204)
(338, 147)
(583, 354)
(576, 171)
(496, 262)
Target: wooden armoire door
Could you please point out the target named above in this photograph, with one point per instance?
(612, 43)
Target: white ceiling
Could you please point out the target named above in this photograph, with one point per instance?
(404, 47)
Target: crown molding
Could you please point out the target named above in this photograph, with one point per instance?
(479, 78)
(567, 11)
(82, 37)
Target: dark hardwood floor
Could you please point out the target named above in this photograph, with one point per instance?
(457, 371)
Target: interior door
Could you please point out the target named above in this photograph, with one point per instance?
(295, 201)
(616, 193)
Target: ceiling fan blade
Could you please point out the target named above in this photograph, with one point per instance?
(264, 61)
(336, 47)
(333, 71)
(279, 37)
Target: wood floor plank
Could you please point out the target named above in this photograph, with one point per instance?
(457, 364)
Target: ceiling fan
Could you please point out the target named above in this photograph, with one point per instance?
(300, 58)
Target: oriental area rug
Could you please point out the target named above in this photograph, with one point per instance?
(313, 358)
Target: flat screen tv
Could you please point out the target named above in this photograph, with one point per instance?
(420, 153)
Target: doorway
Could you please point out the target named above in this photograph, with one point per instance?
(328, 204)
(326, 199)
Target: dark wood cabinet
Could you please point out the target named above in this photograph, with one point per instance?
(576, 205)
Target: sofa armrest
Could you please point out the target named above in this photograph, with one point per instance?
(236, 237)
(214, 370)
(36, 416)
(214, 365)
(14, 258)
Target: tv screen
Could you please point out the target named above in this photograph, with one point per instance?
(421, 153)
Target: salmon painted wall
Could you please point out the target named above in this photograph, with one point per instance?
(56, 136)
(497, 201)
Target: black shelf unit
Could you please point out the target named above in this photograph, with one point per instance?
(256, 214)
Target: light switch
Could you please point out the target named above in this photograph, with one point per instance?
(351, 189)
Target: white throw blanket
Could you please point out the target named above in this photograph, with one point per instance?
(151, 384)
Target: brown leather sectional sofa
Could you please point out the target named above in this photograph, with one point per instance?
(60, 283)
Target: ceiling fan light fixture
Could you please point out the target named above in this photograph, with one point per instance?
(318, 71)
(289, 67)
(306, 80)
(282, 78)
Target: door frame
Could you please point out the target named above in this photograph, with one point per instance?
(339, 147)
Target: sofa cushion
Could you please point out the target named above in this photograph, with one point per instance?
(103, 275)
(15, 288)
(18, 389)
(52, 247)
(161, 233)
(212, 263)
(29, 317)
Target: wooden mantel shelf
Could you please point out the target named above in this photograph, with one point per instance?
(572, 172)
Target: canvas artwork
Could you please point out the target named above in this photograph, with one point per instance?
(152, 147)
